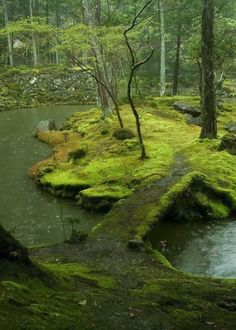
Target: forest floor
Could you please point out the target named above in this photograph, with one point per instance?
(101, 282)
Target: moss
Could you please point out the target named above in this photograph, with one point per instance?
(51, 137)
(84, 274)
(102, 197)
(170, 100)
(78, 153)
(215, 208)
(158, 256)
(63, 182)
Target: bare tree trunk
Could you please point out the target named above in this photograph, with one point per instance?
(57, 27)
(136, 115)
(9, 38)
(34, 39)
(92, 11)
(134, 67)
(209, 120)
(163, 50)
(177, 63)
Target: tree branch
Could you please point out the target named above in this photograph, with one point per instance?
(88, 71)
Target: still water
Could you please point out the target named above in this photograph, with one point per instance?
(33, 215)
(202, 248)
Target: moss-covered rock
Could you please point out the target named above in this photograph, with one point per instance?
(228, 143)
(102, 197)
(199, 201)
(63, 183)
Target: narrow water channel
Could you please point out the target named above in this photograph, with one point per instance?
(33, 215)
(202, 248)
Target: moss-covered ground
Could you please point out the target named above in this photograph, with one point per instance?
(101, 282)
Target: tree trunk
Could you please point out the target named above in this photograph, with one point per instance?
(92, 11)
(57, 26)
(34, 39)
(136, 115)
(9, 38)
(177, 63)
(209, 122)
(135, 64)
(163, 50)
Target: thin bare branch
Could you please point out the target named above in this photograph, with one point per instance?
(87, 70)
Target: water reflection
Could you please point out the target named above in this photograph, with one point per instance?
(33, 215)
(201, 248)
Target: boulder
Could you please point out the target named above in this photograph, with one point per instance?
(228, 143)
(46, 125)
(195, 120)
(187, 108)
(231, 127)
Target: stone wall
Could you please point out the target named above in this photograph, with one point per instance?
(52, 85)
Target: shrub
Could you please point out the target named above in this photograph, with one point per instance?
(123, 134)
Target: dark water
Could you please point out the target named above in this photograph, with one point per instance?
(200, 248)
(32, 215)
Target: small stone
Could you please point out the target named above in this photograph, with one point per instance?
(231, 127)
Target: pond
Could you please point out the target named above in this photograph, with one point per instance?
(32, 215)
(202, 248)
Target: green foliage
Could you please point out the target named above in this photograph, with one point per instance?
(225, 48)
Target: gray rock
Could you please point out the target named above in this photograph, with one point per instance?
(187, 108)
(195, 121)
(46, 125)
(228, 143)
(231, 127)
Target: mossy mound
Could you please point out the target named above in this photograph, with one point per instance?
(63, 183)
(195, 199)
(123, 134)
(102, 198)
